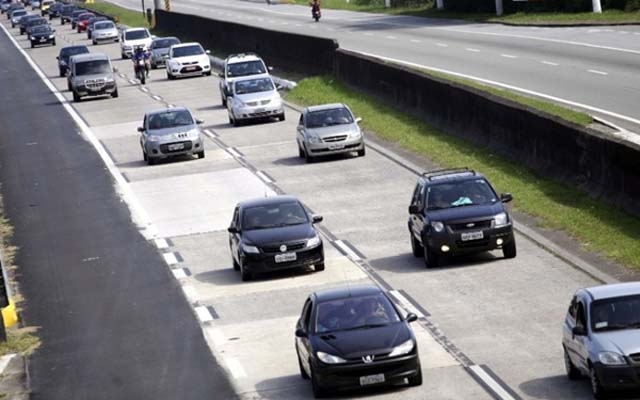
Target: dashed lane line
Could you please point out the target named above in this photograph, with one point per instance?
(472, 50)
(508, 56)
(406, 303)
(550, 63)
(595, 71)
(203, 314)
(495, 386)
(347, 250)
(235, 367)
(170, 258)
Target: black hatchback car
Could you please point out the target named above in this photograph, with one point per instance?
(42, 34)
(457, 211)
(65, 53)
(274, 233)
(24, 22)
(55, 10)
(355, 337)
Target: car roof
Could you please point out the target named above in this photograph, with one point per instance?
(262, 201)
(346, 291)
(186, 44)
(164, 38)
(322, 107)
(135, 29)
(450, 175)
(164, 110)
(90, 57)
(613, 290)
(242, 57)
(79, 46)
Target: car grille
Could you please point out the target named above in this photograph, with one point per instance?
(186, 146)
(476, 225)
(258, 103)
(95, 84)
(635, 357)
(261, 114)
(472, 243)
(336, 138)
(190, 68)
(276, 247)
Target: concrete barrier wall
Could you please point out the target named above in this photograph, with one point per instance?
(549, 145)
(290, 51)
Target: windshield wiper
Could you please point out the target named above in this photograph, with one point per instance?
(367, 326)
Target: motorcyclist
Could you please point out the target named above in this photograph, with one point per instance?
(141, 54)
(315, 6)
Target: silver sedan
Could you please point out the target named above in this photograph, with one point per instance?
(329, 129)
(170, 132)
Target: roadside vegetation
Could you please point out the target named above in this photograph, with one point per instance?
(597, 226)
(123, 16)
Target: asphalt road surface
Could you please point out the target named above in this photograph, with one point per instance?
(594, 69)
(488, 328)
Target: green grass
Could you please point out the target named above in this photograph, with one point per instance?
(428, 11)
(125, 16)
(597, 226)
(22, 341)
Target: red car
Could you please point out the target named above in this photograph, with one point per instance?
(83, 20)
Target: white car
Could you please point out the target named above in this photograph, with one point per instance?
(132, 38)
(187, 59)
(254, 98)
(238, 66)
(104, 31)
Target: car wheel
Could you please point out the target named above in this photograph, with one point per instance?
(224, 102)
(417, 379)
(53, 43)
(416, 247)
(236, 122)
(201, 154)
(509, 250)
(244, 274)
(76, 97)
(318, 391)
(236, 266)
(300, 152)
(307, 158)
(115, 94)
(94, 42)
(62, 22)
(32, 45)
(150, 160)
(303, 373)
(319, 267)
(13, 25)
(170, 76)
(231, 120)
(69, 86)
(153, 66)
(362, 152)
(208, 73)
(430, 258)
(281, 117)
(573, 373)
(596, 387)
(62, 73)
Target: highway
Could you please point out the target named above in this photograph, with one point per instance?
(488, 328)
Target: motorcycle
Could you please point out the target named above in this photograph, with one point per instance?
(140, 68)
(315, 13)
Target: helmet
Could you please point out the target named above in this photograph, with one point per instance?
(139, 49)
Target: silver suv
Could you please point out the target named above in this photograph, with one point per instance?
(91, 74)
(237, 66)
(601, 337)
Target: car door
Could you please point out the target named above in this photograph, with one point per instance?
(567, 328)
(579, 344)
(300, 132)
(143, 134)
(303, 345)
(416, 220)
(234, 238)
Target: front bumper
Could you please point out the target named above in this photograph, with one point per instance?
(173, 149)
(41, 41)
(343, 146)
(265, 262)
(189, 70)
(248, 113)
(347, 376)
(102, 38)
(96, 90)
(618, 377)
(456, 244)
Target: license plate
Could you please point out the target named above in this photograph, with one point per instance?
(286, 257)
(471, 236)
(190, 68)
(260, 110)
(371, 379)
(175, 146)
(336, 146)
(43, 39)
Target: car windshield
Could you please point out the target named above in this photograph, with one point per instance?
(273, 216)
(254, 86)
(71, 51)
(40, 29)
(335, 116)
(470, 192)
(18, 13)
(185, 51)
(170, 119)
(246, 68)
(616, 313)
(135, 35)
(37, 22)
(92, 67)
(164, 43)
(84, 17)
(103, 25)
(355, 313)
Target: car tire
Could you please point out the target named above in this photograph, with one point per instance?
(153, 65)
(76, 97)
(509, 250)
(236, 266)
(230, 119)
(62, 73)
(53, 43)
(307, 158)
(281, 117)
(430, 258)
(417, 379)
(115, 94)
(300, 152)
(200, 154)
(69, 86)
(170, 76)
(303, 373)
(236, 122)
(123, 56)
(61, 22)
(319, 267)
(150, 160)
(596, 387)
(208, 73)
(94, 42)
(144, 156)
(362, 152)
(416, 247)
(13, 25)
(224, 102)
(573, 372)
(244, 274)
(32, 45)
(318, 391)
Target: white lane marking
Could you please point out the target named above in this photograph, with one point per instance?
(170, 258)
(472, 50)
(209, 133)
(90, 259)
(157, 98)
(442, 45)
(623, 32)
(233, 152)
(217, 336)
(264, 177)
(132, 81)
(595, 71)
(636, 33)
(144, 89)
(235, 367)
(495, 386)
(550, 63)
(368, 34)
(171, 106)
(415, 41)
(4, 361)
(390, 37)
(203, 314)
(508, 56)
(347, 250)
(406, 303)
(179, 273)
(161, 243)
(298, 25)
(139, 214)
(507, 86)
(191, 293)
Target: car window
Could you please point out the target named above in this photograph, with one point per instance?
(93, 67)
(581, 320)
(355, 313)
(336, 116)
(186, 51)
(246, 68)
(253, 86)
(135, 35)
(461, 193)
(40, 29)
(572, 309)
(68, 52)
(616, 313)
(301, 120)
(274, 215)
(305, 317)
(416, 199)
(170, 119)
(234, 219)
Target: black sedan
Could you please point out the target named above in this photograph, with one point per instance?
(355, 337)
(24, 21)
(65, 53)
(55, 10)
(42, 34)
(274, 233)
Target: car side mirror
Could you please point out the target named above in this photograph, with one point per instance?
(199, 121)
(301, 333)
(279, 87)
(411, 317)
(358, 120)
(228, 92)
(270, 68)
(316, 218)
(506, 197)
(579, 331)
(414, 209)
(233, 229)
(208, 51)
(140, 129)
(115, 69)
(57, 58)
(221, 74)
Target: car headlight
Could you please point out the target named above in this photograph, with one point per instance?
(611, 358)
(355, 134)
(437, 226)
(313, 139)
(403, 348)
(250, 249)
(501, 219)
(193, 134)
(313, 242)
(62, 62)
(51, 36)
(330, 358)
(153, 138)
(127, 47)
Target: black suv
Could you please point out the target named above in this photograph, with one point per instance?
(456, 211)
